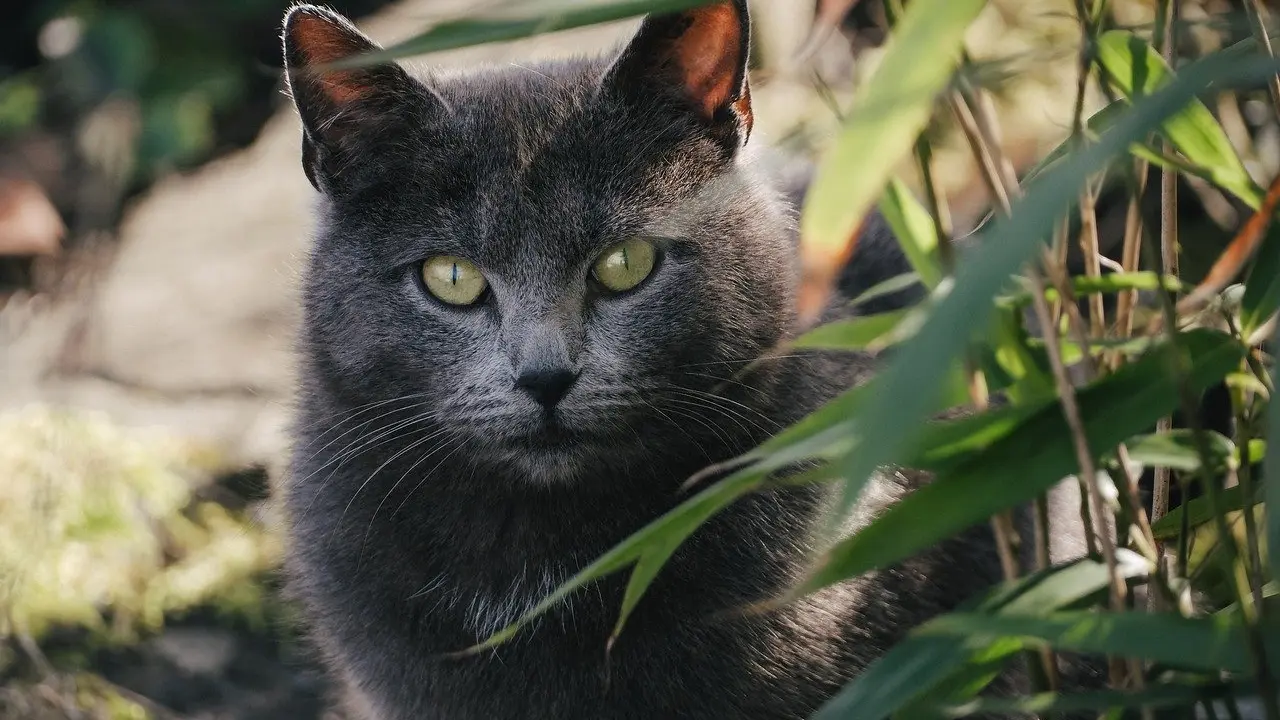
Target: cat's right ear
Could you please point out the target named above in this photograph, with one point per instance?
(344, 110)
(698, 59)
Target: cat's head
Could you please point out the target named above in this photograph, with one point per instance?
(558, 261)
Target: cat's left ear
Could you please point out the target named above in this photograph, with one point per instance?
(699, 58)
(346, 112)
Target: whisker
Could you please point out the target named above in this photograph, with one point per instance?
(377, 470)
(389, 493)
(721, 400)
(350, 430)
(383, 437)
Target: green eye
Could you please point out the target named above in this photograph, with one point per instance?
(453, 280)
(625, 265)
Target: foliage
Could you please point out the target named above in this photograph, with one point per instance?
(166, 85)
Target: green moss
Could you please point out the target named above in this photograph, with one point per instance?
(97, 521)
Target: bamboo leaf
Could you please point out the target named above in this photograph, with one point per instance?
(914, 230)
(1041, 704)
(1137, 70)
(649, 547)
(895, 284)
(1198, 512)
(1212, 643)
(871, 332)
(1027, 460)
(888, 112)
(1176, 449)
(900, 399)
(531, 19)
(1115, 282)
(1262, 289)
(917, 664)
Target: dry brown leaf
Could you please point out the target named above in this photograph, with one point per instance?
(29, 224)
(1234, 257)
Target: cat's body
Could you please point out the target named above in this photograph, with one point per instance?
(432, 501)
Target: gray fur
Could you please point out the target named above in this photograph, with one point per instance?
(430, 504)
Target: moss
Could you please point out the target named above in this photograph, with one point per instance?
(98, 521)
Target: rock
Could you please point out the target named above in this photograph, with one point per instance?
(197, 651)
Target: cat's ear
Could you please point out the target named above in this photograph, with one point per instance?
(698, 56)
(344, 110)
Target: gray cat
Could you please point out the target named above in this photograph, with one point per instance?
(531, 294)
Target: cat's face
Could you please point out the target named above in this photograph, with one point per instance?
(559, 262)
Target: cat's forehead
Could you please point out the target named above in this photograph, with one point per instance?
(519, 108)
(542, 154)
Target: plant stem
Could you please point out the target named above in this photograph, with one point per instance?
(1166, 18)
(997, 173)
(1130, 255)
(938, 210)
(1260, 19)
(1089, 246)
(1226, 540)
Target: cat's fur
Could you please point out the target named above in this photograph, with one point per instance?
(429, 505)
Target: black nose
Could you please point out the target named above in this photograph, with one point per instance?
(547, 386)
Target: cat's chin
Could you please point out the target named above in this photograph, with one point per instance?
(556, 464)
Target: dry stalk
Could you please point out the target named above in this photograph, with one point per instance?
(1167, 17)
(997, 173)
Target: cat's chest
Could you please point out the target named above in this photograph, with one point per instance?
(653, 670)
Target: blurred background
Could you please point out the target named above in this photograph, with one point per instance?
(153, 219)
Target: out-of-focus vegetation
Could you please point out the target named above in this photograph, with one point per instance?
(105, 530)
(178, 80)
(105, 533)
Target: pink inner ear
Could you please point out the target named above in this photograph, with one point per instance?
(322, 41)
(709, 55)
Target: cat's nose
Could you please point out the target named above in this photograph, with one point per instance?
(546, 385)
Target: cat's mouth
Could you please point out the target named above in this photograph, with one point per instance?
(552, 435)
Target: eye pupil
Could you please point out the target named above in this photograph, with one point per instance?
(453, 280)
(625, 262)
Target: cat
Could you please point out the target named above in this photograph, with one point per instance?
(532, 294)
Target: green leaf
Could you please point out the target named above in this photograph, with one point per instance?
(1049, 704)
(1198, 512)
(888, 112)
(1212, 643)
(871, 332)
(1082, 285)
(648, 548)
(897, 283)
(1176, 449)
(1262, 289)
(900, 399)
(1104, 119)
(1029, 460)
(917, 664)
(914, 229)
(1137, 70)
(532, 19)
(1072, 354)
